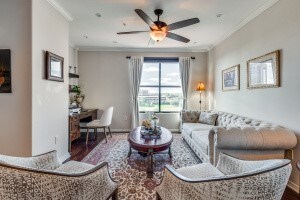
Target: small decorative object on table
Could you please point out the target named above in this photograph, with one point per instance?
(150, 133)
(149, 129)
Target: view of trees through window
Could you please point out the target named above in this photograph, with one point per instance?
(160, 88)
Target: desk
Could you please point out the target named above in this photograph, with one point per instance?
(74, 123)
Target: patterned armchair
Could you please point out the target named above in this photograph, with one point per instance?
(231, 179)
(44, 177)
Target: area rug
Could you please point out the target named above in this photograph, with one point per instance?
(130, 173)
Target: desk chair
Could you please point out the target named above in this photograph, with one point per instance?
(104, 122)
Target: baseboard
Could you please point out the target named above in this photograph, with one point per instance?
(293, 186)
(65, 158)
(120, 130)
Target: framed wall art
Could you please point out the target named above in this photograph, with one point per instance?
(263, 72)
(5, 71)
(231, 78)
(54, 67)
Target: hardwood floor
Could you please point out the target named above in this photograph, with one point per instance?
(290, 194)
(80, 150)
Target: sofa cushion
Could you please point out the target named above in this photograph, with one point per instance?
(201, 139)
(190, 127)
(190, 116)
(203, 170)
(74, 167)
(208, 118)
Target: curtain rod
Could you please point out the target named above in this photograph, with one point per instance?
(128, 57)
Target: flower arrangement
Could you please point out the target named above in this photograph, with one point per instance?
(78, 98)
(146, 123)
(151, 121)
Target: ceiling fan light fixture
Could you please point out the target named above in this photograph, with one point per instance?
(157, 35)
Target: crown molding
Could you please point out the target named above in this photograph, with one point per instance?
(144, 50)
(61, 10)
(248, 19)
(73, 46)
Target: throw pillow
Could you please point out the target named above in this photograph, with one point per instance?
(208, 118)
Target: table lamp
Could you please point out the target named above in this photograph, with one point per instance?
(200, 88)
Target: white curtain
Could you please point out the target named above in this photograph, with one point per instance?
(184, 67)
(135, 69)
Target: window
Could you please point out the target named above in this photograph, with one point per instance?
(160, 88)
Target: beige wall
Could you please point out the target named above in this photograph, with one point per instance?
(15, 108)
(50, 32)
(276, 28)
(104, 77)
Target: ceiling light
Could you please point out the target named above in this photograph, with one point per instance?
(157, 35)
(98, 14)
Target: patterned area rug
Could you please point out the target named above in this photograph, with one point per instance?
(130, 173)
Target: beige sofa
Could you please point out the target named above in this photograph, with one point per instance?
(238, 136)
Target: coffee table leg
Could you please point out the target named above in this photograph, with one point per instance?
(170, 153)
(150, 166)
(129, 153)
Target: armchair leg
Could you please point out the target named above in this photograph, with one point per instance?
(158, 197)
(114, 196)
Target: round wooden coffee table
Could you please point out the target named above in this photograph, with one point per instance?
(150, 146)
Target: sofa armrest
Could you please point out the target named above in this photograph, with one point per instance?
(230, 165)
(254, 138)
(176, 187)
(18, 183)
(46, 161)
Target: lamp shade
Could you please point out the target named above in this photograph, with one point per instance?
(201, 86)
(157, 35)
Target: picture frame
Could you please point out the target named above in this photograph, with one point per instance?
(264, 71)
(231, 78)
(5, 71)
(54, 67)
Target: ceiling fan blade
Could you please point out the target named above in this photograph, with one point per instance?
(182, 24)
(177, 37)
(132, 32)
(144, 17)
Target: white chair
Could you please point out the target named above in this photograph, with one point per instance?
(44, 177)
(231, 179)
(104, 122)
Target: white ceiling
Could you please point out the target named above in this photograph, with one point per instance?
(102, 31)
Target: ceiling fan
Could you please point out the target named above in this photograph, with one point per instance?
(159, 29)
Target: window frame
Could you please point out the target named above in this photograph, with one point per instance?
(160, 60)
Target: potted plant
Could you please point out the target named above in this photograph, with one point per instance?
(78, 98)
